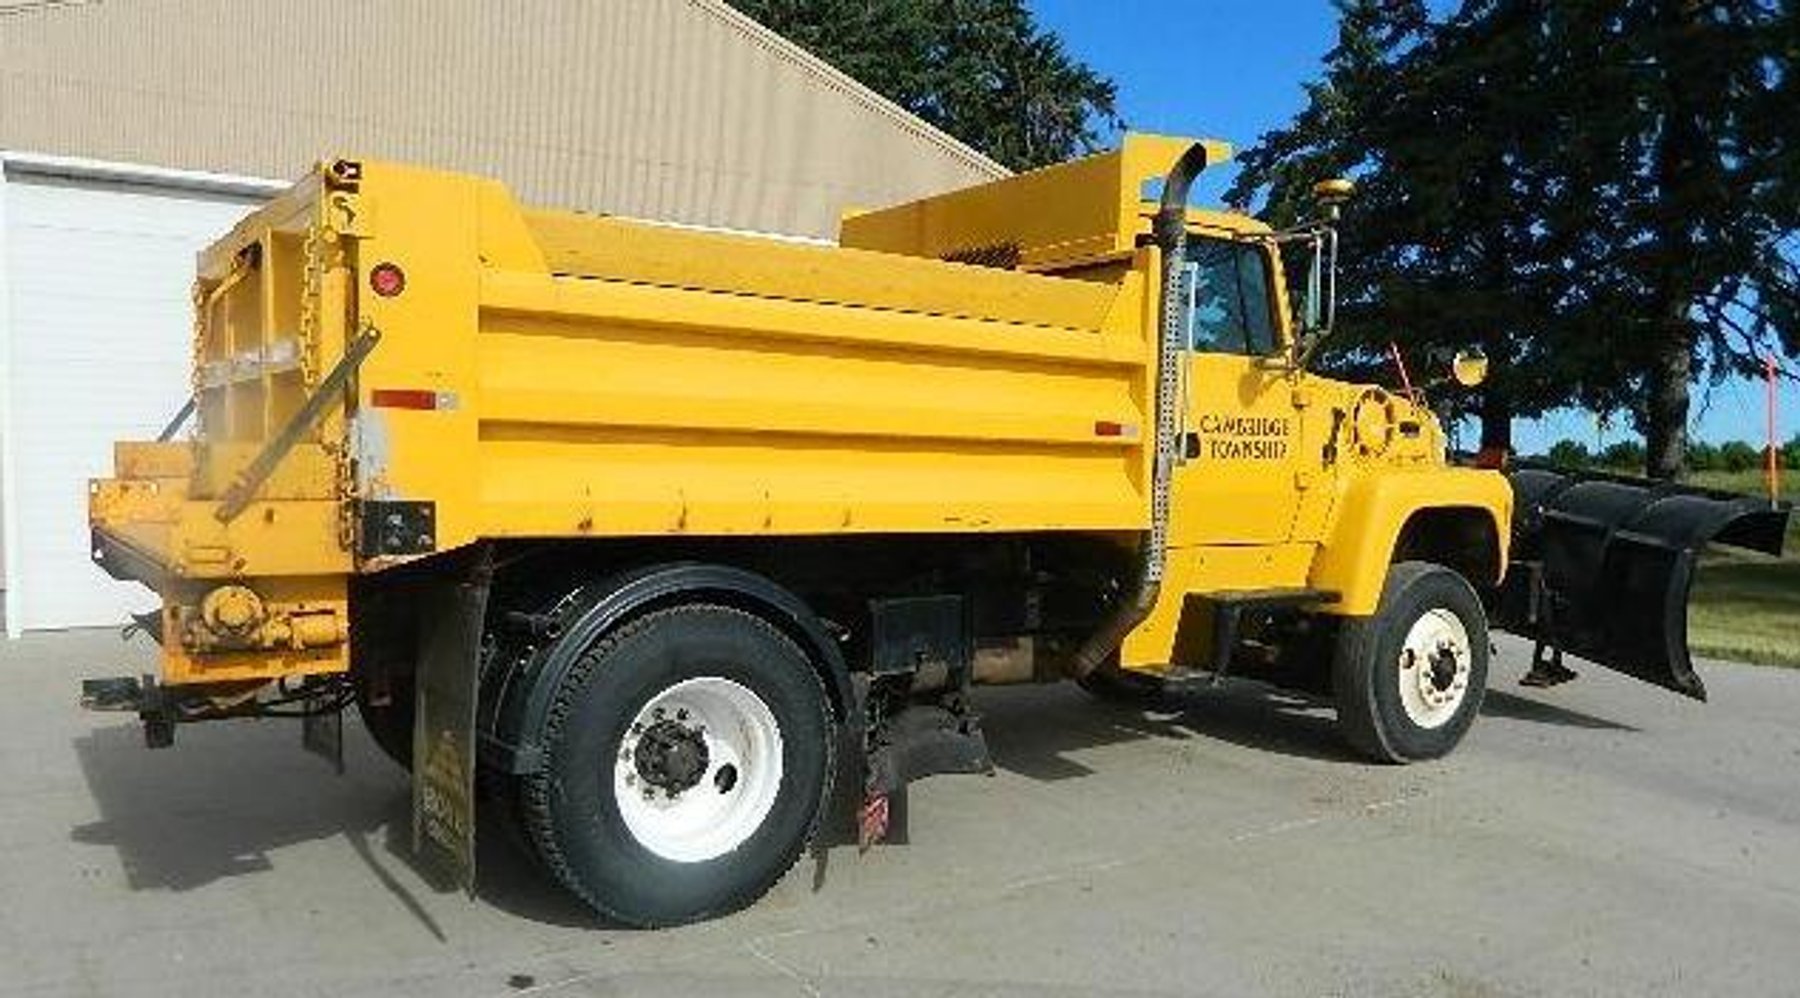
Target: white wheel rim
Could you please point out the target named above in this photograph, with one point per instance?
(1434, 668)
(691, 822)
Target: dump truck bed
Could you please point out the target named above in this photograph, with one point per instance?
(393, 362)
(653, 381)
(609, 378)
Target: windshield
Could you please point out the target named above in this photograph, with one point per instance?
(1227, 288)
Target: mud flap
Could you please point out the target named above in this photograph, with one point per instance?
(1602, 565)
(451, 616)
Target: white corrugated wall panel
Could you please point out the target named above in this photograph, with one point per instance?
(97, 332)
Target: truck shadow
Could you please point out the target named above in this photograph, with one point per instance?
(229, 795)
(213, 806)
(1033, 730)
(1517, 708)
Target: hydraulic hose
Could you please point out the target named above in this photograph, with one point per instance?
(1170, 234)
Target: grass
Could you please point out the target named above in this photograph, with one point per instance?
(1746, 606)
(1753, 483)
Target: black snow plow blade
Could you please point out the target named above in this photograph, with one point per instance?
(1602, 565)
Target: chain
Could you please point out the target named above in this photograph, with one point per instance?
(312, 285)
(346, 494)
(315, 252)
(197, 353)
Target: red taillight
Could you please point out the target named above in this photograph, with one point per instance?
(387, 279)
(403, 398)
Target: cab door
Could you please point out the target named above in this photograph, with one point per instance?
(1244, 469)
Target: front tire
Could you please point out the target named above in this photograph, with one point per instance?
(1409, 680)
(689, 757)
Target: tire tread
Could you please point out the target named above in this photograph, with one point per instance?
(1354, 658)
(536, 797)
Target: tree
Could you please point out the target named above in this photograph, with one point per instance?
(1567, 453)
(1736, 455)
(1439, 247)
(1605, 195)
(1685, 120)
(982, 70)
(1624, 455)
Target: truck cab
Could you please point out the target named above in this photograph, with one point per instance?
(1287, 489)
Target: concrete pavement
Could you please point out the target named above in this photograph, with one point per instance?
(1600, 838)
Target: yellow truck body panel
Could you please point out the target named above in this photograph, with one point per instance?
(553, 375)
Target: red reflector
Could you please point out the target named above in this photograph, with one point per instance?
(387, 279)
(1108, 428)
(403, 398)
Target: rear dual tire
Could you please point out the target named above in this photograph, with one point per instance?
(1409, 680)
(688, 758)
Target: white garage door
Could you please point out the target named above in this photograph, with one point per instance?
(95, 324)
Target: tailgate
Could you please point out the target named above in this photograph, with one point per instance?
(241, 526)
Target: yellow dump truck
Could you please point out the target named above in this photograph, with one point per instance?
(643, 536)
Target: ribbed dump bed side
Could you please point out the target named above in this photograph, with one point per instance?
(632, 379)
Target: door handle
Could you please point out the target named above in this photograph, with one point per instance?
(1190, 446)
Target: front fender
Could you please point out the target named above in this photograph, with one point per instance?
(1370, 513)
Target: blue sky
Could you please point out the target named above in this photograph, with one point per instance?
(1233, 69)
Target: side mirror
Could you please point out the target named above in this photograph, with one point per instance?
(1317, 312)
(1314, 306)
(1469, 367)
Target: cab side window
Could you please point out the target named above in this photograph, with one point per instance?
(1228, 303)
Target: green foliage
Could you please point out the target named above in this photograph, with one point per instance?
(982, 70)
(1604, 195)
(1570, 454)
(1729, 458)
(1626, 454)
(1736, 455)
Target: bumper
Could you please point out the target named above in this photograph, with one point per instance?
(262, 597)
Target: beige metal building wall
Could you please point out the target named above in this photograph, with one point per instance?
(676, 109)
